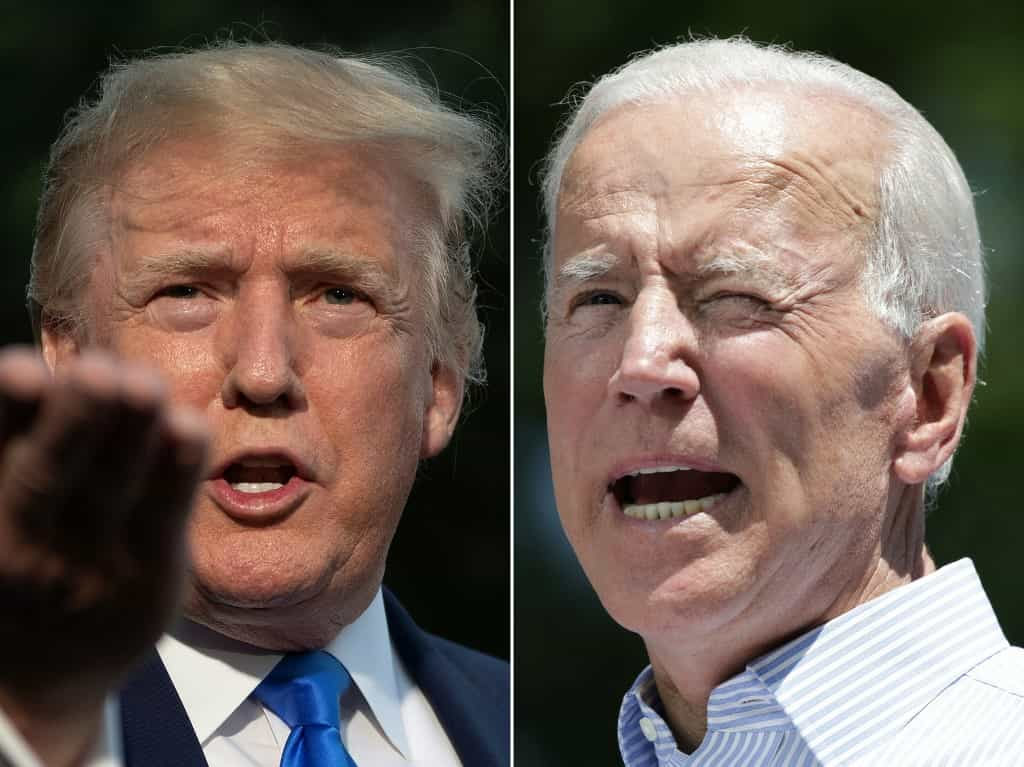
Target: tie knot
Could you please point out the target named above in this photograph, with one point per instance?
(305, 689)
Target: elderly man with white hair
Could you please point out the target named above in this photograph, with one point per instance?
(254, 298)
(765, 305)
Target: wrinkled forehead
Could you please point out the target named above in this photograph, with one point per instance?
(816, 149)
(164, 188)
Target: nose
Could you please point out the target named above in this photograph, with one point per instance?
(657, 356)
(261, 357)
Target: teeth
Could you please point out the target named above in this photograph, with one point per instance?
(255, 487)
(671, 509)
(660, 470)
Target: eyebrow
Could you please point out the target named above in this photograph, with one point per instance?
(181, 261)
(153, 270)
(357, 270)
(749, 262)
(582, 269)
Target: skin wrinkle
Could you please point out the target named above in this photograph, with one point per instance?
(136, 209)
(596, 216)
(170, 213)
(715, 258)
(715, 265)
(817, 187)
(219, 273)
(801, 396)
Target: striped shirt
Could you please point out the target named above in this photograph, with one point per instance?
(919, 677)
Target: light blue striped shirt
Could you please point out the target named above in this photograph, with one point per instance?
(919, 677)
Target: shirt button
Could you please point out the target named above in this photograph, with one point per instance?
(648, 729)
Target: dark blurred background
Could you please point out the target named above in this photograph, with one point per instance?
(450, 561)
(964, 70)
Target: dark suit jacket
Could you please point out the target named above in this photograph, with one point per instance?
(469, 692)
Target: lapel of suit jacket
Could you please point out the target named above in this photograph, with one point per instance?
(460, 705)
(155, 728)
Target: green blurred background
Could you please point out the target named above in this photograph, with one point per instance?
(964, 70)
(450, 561)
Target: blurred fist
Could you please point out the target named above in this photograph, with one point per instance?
(97, 474)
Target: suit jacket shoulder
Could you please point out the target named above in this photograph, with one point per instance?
(469, 691)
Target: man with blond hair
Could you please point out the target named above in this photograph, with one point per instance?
(252, 291)
(765, 304)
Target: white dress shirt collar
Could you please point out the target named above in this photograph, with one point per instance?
(214, 675)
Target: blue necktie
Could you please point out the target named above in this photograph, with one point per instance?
(304, 690)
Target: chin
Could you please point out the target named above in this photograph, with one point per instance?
(279, 604)
(688, 600)
(652, 614)
(256, 578)
(254, 596)
(281, 616)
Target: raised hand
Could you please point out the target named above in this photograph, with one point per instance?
(97, 473)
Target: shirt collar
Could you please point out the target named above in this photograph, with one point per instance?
(896, 653)
(214, 675)
(645, 739)
(364, 648)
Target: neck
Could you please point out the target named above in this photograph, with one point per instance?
(686, 673)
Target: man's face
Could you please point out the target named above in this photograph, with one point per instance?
(711, 362)
(282, 301)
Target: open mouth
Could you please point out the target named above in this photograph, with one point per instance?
(668, 492)
(259, 475)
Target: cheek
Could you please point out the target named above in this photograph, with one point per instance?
(803, 426)
(374, 400)
(789, 393)
(187, 361)
(576, 375)
(575, 386)
(765, 399)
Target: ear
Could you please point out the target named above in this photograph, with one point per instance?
(943, 373)
(58, 346)
(442, 411)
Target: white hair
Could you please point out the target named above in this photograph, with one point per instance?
(925, 257)
(271, 100)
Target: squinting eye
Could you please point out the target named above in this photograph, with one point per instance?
(179, 291)
(597, 298)
(340, 296)
(738, 297)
